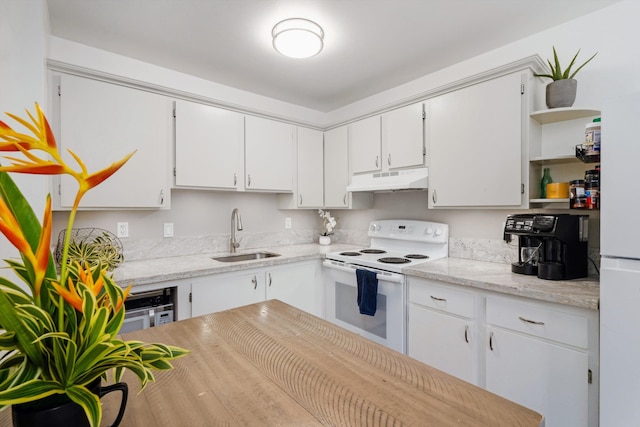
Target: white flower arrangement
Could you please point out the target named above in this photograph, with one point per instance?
(329, 222)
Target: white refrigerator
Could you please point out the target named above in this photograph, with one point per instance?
(620, 263)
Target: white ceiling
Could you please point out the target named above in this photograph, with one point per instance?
(370, 45)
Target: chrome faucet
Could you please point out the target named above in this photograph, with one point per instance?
(236, 224)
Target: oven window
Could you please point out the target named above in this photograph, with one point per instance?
(348, 312)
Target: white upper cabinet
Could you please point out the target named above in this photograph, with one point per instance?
(309, 186)
(209, 147)
(403, 137)
(394, 140)
(476, 144)
(102, 123)
(269, 155)
(336, 173)
(336, 167)
(365, 145)
(310, 168)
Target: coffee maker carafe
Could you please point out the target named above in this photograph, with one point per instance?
(552, 247)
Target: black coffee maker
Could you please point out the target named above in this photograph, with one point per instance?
(552, 247)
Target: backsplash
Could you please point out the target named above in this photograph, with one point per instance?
(489, 250)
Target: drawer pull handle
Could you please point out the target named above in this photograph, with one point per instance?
(530, 321)
(438, 299)
(466, 334)
(491, 341)
(254, 280)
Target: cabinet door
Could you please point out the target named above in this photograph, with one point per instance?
(299, 285)
(209, 146)
(221, 292)
(102, 123)
(310, 165)
(442, 341)
(403, 137)
(548, 378)
(336, 167)
(475, 145)
(268, 155)
(364, 145)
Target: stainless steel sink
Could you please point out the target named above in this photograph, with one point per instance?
(245, 257)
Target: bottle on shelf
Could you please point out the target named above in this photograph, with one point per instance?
(546, 179)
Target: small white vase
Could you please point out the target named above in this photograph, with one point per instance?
(324, 240)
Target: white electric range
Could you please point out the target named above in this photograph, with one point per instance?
(395, 245)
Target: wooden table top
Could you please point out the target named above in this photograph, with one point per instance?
(271, 364)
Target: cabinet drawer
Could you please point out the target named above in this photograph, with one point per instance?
(441, 298)
(538, 320)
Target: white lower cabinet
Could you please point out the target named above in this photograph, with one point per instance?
(441, 329)
(539, 354)
(210, 294)
(297, 284)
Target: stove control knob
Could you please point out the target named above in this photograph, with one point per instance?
(375, 227)
(438, 231)
(429, 230)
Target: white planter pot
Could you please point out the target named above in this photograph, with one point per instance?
(324, 240)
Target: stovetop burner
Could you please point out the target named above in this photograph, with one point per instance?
(393, 260)
(417, 256)
(350, 253)
(373, 251)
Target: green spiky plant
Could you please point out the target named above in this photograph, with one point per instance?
(102, 250)
(556, 72)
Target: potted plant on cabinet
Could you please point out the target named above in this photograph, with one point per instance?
(561, 92)
(59, 332)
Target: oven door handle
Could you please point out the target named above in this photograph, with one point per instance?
(350, 268)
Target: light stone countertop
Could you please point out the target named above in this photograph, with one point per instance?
(491, 276)
(183, 267)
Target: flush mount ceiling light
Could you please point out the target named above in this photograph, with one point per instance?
(297, 37)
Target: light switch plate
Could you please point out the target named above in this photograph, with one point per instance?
(287, 223)
(168, 229)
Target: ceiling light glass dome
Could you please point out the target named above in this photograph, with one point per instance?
(297, 38)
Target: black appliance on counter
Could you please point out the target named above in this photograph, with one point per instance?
(552, 247)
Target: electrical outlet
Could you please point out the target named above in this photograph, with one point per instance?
(287, 223)
(123, 229)
(168, 229)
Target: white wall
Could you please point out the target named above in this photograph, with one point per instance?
(23, 47)
(612, 32)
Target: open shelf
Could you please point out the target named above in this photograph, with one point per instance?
(558, 201)
(569, 158)
(554, 115)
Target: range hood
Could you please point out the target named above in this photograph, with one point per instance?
(410, 179)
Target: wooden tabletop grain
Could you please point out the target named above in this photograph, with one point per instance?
(270, 364)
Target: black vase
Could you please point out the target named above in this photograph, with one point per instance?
(58, 410)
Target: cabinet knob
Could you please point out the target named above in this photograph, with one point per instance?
(269, 274)
(344, 199)
(235, 179)
(434, 196)
(254, 280)
(249, 180)
(300, 203)
(466, 334)
(491, 341)
(377, 163)
(161, 197)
